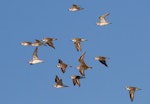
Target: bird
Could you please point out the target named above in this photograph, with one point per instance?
(76, 79)
(102, 60)
(35, 59)
(25, 43)
(131, 90)
(59, 83)
(83, 66)
(75, 7)
(37, 43)
(62, 65)
(103, 21)
(49, 41)
(77, 43)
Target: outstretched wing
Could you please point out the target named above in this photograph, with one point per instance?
(103, 62)
(103, 17)
(82, 72)
(81, 58)
(34, 55)
(78, 46)
(50, 43)
(131, 92)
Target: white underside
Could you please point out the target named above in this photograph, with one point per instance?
(35, 61)
(102, 23)
(96, 58)
(58, 86)
(73, 9)
(24, 44)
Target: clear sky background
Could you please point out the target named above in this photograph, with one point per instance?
(126, 42)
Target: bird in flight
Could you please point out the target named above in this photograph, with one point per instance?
(75, 8)
(76, 79)
(62, 65)
(77, 43)
(49, 42)
(25, 43)
(83, 66)
(132, 91)
(102, 60)
(59, 83)
(37, 43)
(102, 20)
(35, 59)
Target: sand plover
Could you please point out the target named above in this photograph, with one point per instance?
(62, 65)
(35, 59)
(59, 83)
(49, 41)
(102, 60)
(103, 21)
(76, 79)
(75, 8)
(83, 66)
(77, 43)
(37, 43)
(25, 43)
(132, 91)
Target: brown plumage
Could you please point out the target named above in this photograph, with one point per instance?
(76, 79)
(83, 66)
(75, 8)
(35, 59)
(132, 91)
(49, 42)
(25, 43)
(37, 43)
(102, 20)
(62, 65)
(59, 83)
(102, 60)
(77, 43)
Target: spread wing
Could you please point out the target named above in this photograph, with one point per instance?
(50, 43)
(56, 79)
(60, 61)
(78, 82)
(75, 6)
(82, 72)
(78, 46)
(131, 92)
(74, 81)
(103, 17)
(34, 55)
(103, 62)
(38, 41)
(81, 58)
(63, 68)
(60, 82)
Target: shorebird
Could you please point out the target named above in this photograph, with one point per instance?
(82, 65)
(62, 65)
(35, 59)
(131, 91)
(102, 60)
(37, 43)
(49, 41)
(103, 21)
(76, 79)
(77, 43)
(59, 83)
(75, 8)
(25, 43)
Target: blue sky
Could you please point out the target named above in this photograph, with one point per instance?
(125, 42)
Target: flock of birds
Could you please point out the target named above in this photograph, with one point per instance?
(83, 66)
